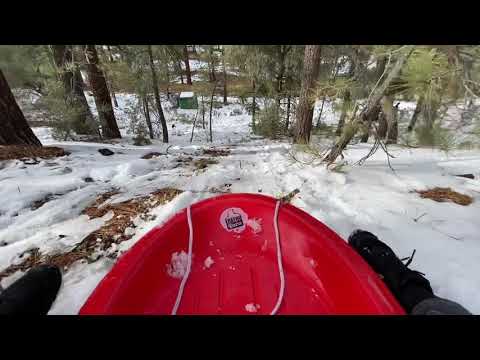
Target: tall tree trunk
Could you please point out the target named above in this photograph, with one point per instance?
(254, 105)
(281, 72)
(157, 96)
(225, 102)
(371, 106)
(305, 107)
(373, 116)
(146, 112)
(392, 132)
(167, 75)
(287, 123)
(72, 81)
(321, 111)
(336, 67)
(346, 103)
(107, 56)
(110, 59)
(203, 113)
(416, 113)
(381, 64)
(187, 65)
(101, 94)
(430, 112)
(211, 67)
(347, 95)
(211, 110)
(382, 125)
(181, 72)
(14, 129)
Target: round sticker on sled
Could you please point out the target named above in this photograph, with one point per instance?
(234, 219)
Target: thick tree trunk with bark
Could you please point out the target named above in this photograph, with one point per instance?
(416, 113)
(146, 112)
(72, 81)
(368, 124)
(382, 125)
(381, 64)
(389, 111)
(211, 68)
(187, 65)
(305, 107)
(101, 94)
(108, 57)
(157, 96)
(347, 101)
(14, 129)
(110, 82)
(372, 106)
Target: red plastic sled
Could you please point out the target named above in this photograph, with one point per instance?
(234, 268)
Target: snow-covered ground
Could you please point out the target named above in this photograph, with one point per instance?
(371, 196)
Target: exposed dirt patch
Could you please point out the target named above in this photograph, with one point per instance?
(113, 231)
(39, 123)
(203, 163)
(39, 203)
(445, 194)
(151, 155)
(216, 152)
(30, 152)
(95, 210)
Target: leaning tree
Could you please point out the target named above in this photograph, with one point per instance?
(14, 129)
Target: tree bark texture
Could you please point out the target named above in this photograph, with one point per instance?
(305, 107)
(416, 113)
(14, 129)
(146, 112)
(101, 94)
(370, 109)
(72, 81)
(157, 96)
(187, 65)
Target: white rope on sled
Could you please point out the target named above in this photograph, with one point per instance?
(279, 259)
(189, 262)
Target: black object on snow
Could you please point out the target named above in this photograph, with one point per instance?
(468, 176)
(32, 294)
(106, 152)
(408, 286)
(88, 179)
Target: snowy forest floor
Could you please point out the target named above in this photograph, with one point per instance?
(42, 202)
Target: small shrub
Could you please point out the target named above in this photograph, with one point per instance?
(270, 123)
(435, 137)
(466, 145)
(323, 129)
(137, 125)
(141, 135)
(184, 118)
(66, 119)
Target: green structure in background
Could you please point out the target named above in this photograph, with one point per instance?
(187, 100)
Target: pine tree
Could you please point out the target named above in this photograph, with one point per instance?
(305, 107)
(101, 94)
(70, 76)
(14, 129)
(157, 95)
